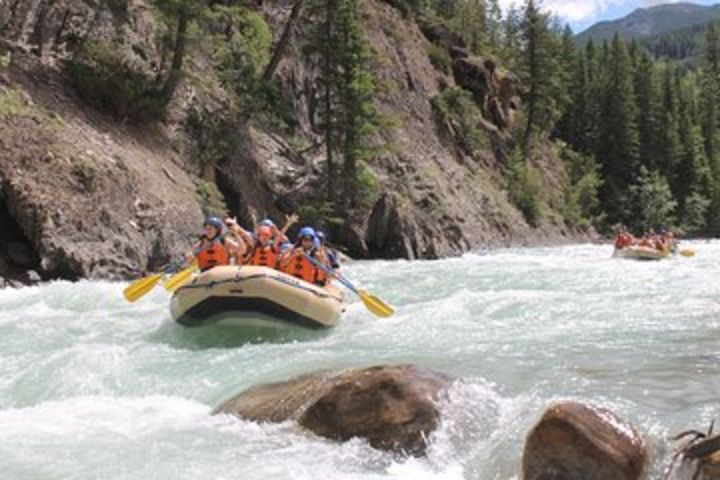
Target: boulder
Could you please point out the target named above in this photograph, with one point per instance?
(443, 36)
(496, 94)
(21, 254)
(394, 408)
(573, 441)
(32, 277)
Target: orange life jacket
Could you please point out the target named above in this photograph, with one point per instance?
(263, 256)
(212, 256)
(623, 240)
(302, 268)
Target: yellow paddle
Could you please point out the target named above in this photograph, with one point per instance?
(371, 302)
(139, 288)
(179, 279)
(375, 305)
(687, 253)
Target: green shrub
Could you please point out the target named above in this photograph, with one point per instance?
(440, 58)
(581, 208)
(525, 189)
(318, 212)
(695, 213)
(368, 185)
(211, 200)
(651, 201)
(241, 42)
(83, 169)
(457, 116)
(102, 77)
(5, 59)
(11, 104)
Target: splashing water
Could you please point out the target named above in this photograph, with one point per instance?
(94, 388)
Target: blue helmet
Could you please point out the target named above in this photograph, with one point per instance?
(307, 232)
(266, 222)
(214, 222)
(321, 236)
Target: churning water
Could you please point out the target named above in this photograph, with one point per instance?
(94, 388)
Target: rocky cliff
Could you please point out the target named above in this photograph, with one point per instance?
(95, 181)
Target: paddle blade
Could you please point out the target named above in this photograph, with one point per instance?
(375, 305)
(180, 279)
(139, 288)
(687, 253)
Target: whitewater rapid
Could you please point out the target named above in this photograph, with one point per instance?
(94, 388)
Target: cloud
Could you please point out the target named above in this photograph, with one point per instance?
(574, 10)
(652, 3)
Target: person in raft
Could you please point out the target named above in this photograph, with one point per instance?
(330, 253)
(624, 239)
(296, 263)
(251, 240)
(214, 248)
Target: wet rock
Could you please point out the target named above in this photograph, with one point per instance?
(574, 441)
(21, 254)
(443, 36)
(393, 407)
(388, 230)
(494, 93)
(32, 277)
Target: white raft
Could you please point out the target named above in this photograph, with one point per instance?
(641, 253)
(249, 296)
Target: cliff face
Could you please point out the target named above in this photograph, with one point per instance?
(90, 194)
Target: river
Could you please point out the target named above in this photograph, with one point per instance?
(94, 388)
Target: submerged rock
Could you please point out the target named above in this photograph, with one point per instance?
(573, 441)
(394, 408)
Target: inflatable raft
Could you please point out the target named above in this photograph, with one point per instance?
(249, 296)
(641, 253)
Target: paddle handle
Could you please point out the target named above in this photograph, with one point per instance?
(332, 272)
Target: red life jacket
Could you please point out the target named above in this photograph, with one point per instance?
(266, 256)
(213, 255)
(302, 268)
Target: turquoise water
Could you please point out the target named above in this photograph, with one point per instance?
(94, 388)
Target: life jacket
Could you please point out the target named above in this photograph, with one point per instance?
(620, 242)
(321, 277)
(302, 268)
(260, 256)
(213, 255)
(623, 240)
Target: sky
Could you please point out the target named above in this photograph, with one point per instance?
(581, 14)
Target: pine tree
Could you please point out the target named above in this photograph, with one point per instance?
(647, 111)
(618, 151)
(669, 150)
(542, 74)
(359, 118)
(347, 86)
(470, 19)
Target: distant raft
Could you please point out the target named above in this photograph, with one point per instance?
(248, 296)
(641, 253)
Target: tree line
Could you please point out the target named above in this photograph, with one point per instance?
(649, 126)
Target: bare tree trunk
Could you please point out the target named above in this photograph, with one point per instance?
(178, 53)
(282, 44)
(329, 127)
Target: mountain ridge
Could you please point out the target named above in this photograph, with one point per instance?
(649, 21)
